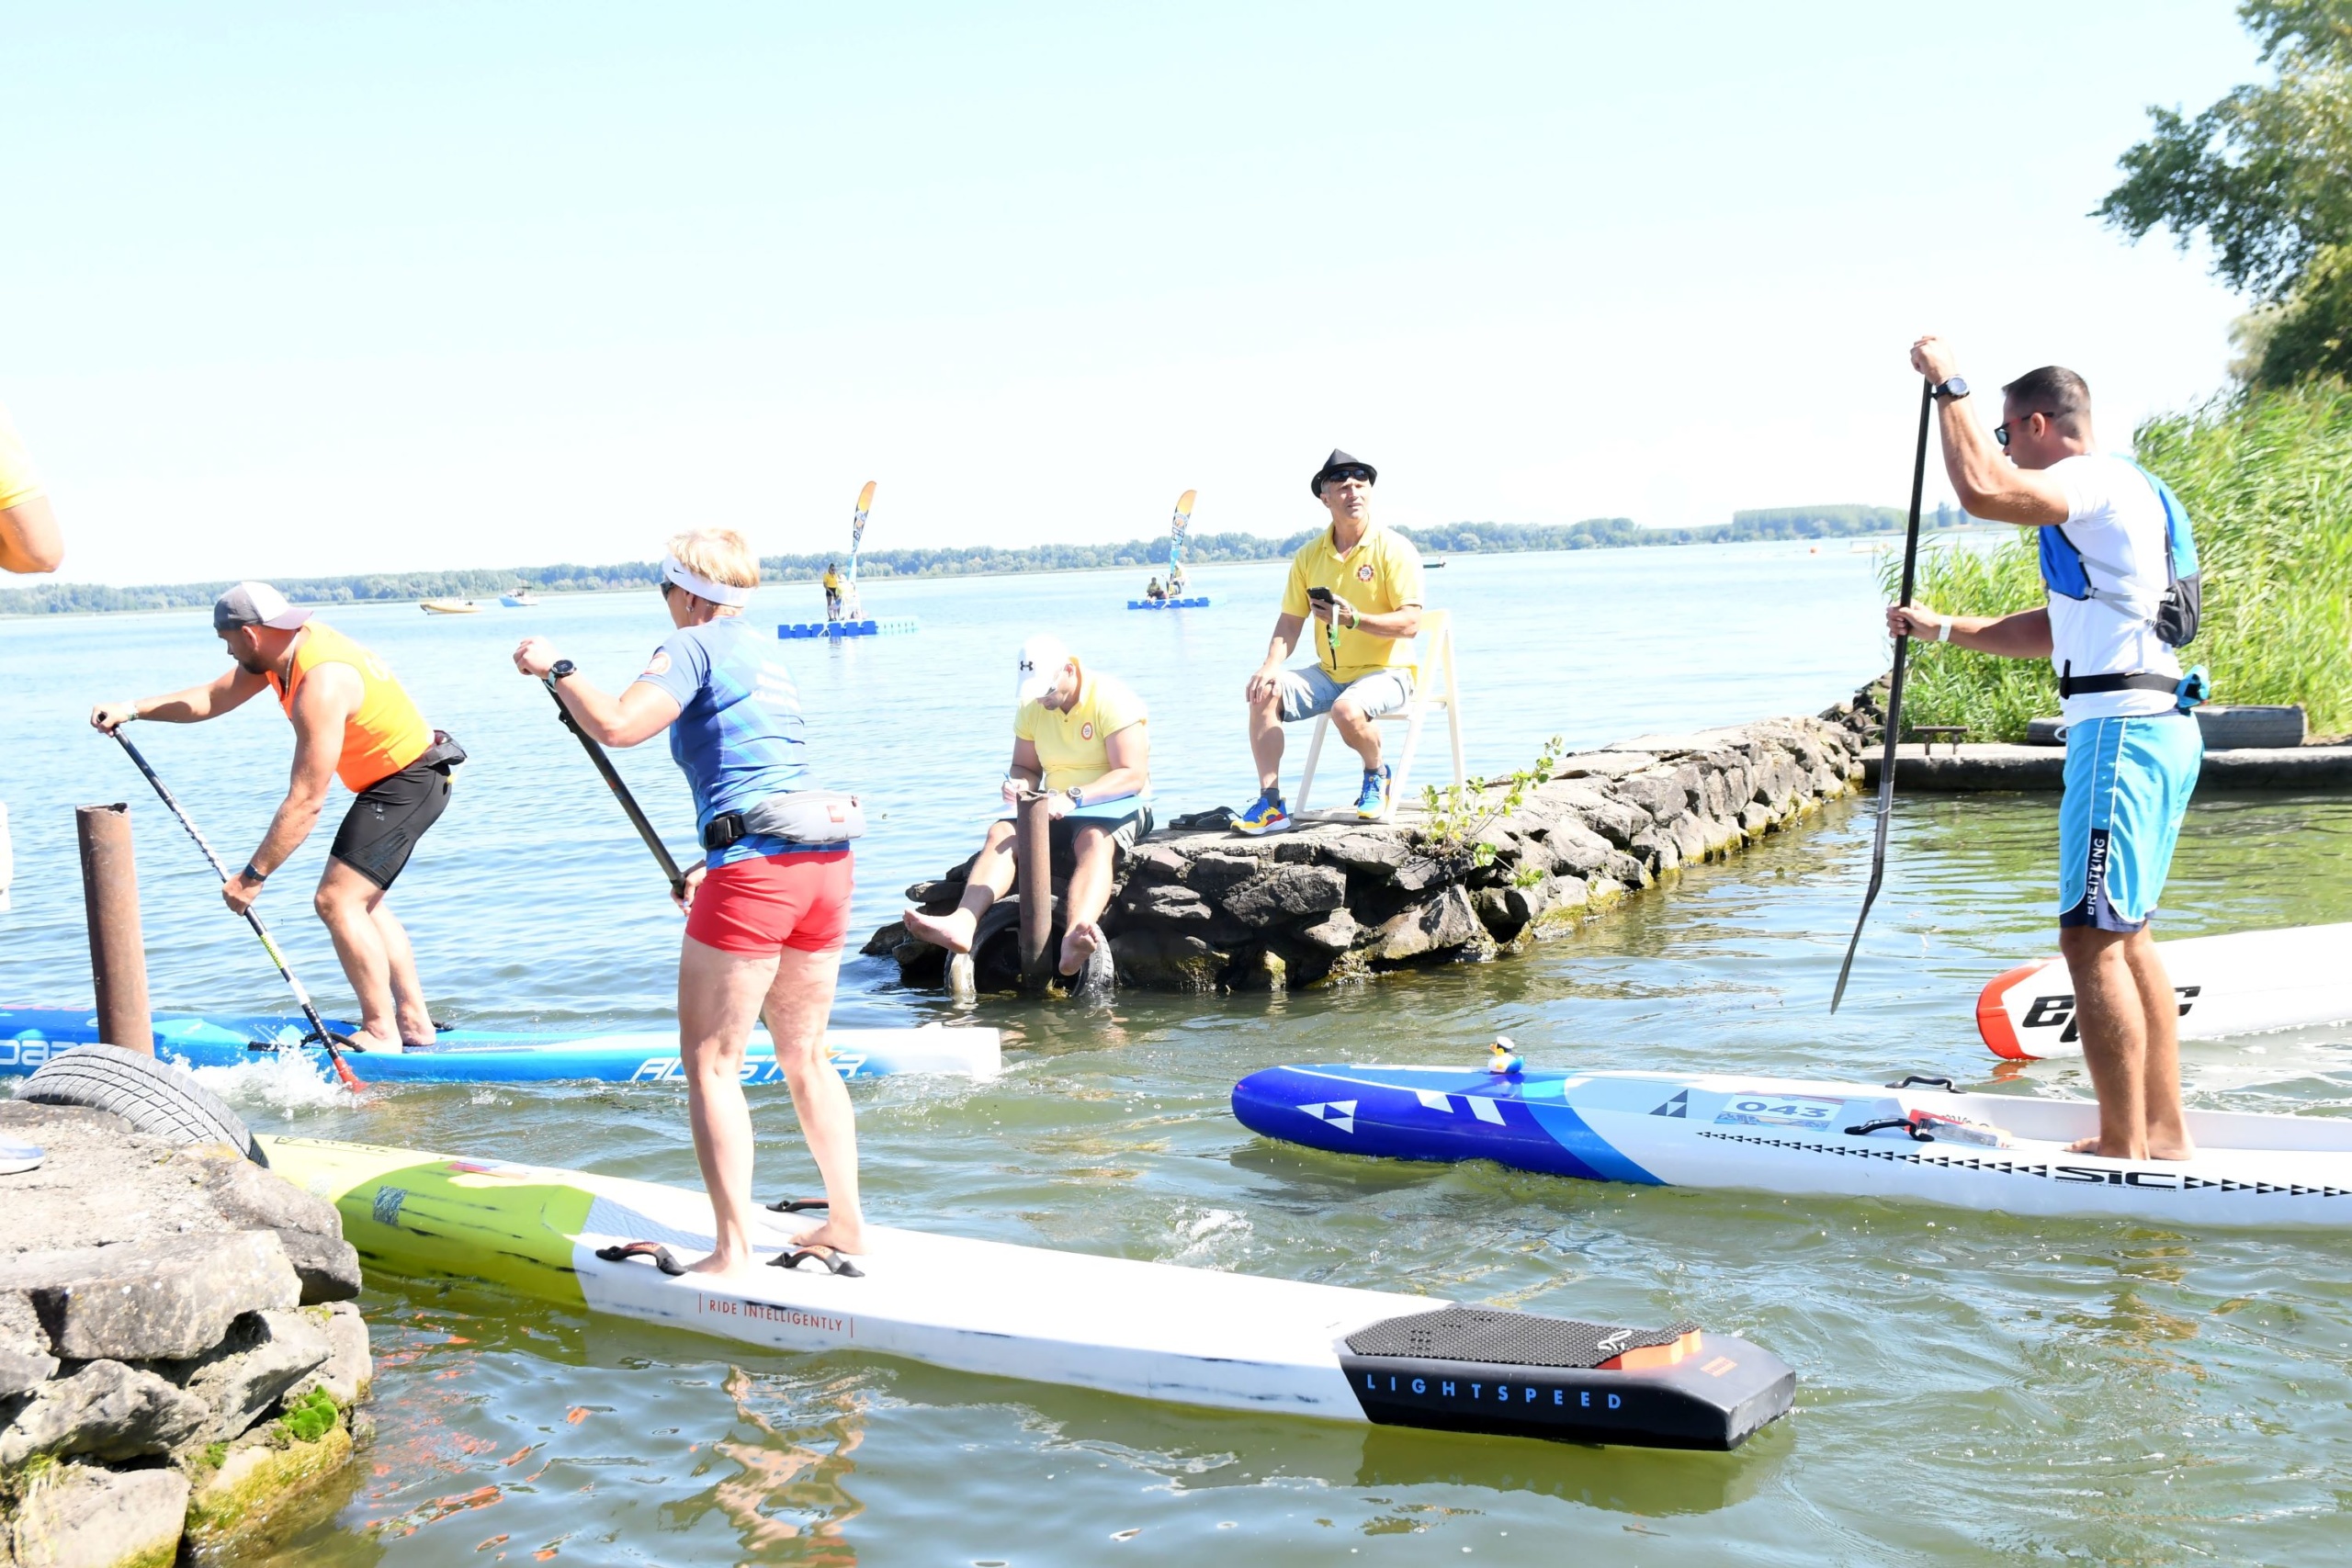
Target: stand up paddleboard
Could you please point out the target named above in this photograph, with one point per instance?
(29, 1036)
(1812, 1138)
(1149, 1330)
(1195, 602)
(2245, 983)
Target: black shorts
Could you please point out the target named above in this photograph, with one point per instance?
(1125, 820)
(386, 819)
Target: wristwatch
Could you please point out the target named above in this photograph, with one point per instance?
(1077, 797)
(563, 668)
(1955, 387)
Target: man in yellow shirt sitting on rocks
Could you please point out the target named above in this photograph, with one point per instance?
(1081, 737)
(1362, 585)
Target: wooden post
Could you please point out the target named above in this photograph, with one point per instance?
(1034, 873)
(110, 899)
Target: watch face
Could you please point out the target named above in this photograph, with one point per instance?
(1955, 387)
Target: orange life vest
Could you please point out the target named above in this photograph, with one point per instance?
(385, 733)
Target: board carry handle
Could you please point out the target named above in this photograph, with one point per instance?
(1885, 1122)
(1926, 1080)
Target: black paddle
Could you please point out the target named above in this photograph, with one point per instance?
(1893, 697)
(319, 1030)
(620, 792)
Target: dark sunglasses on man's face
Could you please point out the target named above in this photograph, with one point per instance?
(1341, 476)
(2001, 432)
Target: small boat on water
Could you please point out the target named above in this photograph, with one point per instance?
(522, 598)
(448, 606)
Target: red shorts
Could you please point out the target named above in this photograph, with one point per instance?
(799, 901)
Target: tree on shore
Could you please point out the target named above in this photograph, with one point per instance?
(2266, 175)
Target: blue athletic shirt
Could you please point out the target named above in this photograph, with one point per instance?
(738, 737)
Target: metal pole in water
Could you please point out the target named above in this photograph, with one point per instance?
(1034, 872)
(118, 953)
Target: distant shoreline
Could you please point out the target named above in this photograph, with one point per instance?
(1790, 526)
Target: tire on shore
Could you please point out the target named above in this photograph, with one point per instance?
(152, 1097)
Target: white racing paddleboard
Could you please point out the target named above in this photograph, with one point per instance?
(2244, 983)
(1812, 1138)
(1151, 1330)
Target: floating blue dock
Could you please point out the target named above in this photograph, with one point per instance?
(849, 629)
(1200, 602)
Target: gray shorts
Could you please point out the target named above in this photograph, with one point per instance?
(1310, 693)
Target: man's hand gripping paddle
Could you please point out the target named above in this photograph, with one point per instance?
(319, 1030)
(1893, 697)
(621, 793)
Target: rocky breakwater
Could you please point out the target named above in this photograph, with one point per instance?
(179, 1353)
(1331, 900)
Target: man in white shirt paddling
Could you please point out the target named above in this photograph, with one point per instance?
(2112, 540)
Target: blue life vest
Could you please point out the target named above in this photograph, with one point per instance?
(2066, 570)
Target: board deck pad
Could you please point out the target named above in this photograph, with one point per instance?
(1192, 1337)
(29, 1036)
(2243, 983)
(1814, 1138)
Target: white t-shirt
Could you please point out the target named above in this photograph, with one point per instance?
(2114, 517)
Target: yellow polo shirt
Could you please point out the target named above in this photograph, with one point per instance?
(1074, 746)
(19, 482)
(1381, 574)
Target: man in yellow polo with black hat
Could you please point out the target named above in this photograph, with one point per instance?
(1358, 585)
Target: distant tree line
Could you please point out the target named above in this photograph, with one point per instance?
(974, 560)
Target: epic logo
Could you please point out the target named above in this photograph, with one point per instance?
(2058, 1011)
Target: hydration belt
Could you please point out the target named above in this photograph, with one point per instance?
(444, 754)
(813, 816)
(2192, 689)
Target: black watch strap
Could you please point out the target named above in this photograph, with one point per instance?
(1950, 388)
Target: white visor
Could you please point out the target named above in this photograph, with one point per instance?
(694, 582)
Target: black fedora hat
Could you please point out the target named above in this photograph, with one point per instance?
(1333, 464)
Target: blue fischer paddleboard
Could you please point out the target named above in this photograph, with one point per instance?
(1919, 1141)
(30, 1036)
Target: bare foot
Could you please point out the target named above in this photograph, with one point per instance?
(365, 1039)
(2185, 1148)
(951, 931)
(836, 1236)
(721, 1266)
(1078, 944)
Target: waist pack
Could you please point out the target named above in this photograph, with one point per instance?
(444, 753)
(802, 816)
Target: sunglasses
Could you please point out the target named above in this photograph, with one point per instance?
(2001, 432)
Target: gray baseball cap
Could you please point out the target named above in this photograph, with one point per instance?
(255, 605)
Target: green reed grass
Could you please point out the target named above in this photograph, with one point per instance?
(2267, 481)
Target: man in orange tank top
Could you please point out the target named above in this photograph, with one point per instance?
(351, 721)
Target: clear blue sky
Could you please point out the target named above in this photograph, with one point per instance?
(299, 289)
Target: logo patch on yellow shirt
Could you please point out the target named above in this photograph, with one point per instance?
(1086, 730)
(1363, 573)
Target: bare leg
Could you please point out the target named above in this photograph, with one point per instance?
(719, 996)
(408, 991)
(990, 877)
(2160, 1085)
(347, 902)
(1361, 735)
(1090, 889)
(800, 1001)
(2114, 1027)
(1266, 741)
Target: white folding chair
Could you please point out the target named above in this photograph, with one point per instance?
(1435, 686)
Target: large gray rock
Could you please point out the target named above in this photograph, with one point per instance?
(1620, 821)
(98, 1518)
(1163, 960)
(25, 1361)
(1659, 792)
(166, 1299)
(1438, 925)
(327, 1266)
(1287, 893)
(1166, 903)
(350, 1366)
(1216, 873)
(1336, 932)
(1576, 848)
(240, 1379)
(105, 1410)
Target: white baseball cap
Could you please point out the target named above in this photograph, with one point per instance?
(1042, 658)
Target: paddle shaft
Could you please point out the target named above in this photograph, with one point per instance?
(1894, 696)
(621, 793)
(285, 971)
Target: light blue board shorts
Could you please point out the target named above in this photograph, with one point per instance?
(2127, 783)
(1310, 693)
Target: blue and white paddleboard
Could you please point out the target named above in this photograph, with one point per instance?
(1812, 1138)
(29, 1036)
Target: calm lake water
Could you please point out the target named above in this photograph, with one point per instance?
(1972, 1388)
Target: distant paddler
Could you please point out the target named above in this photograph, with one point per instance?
(1156, 593)
(354, 721)
(766, 909)
(1083, 739)
(1356, 589)
(832, 582)
(2115, 551)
